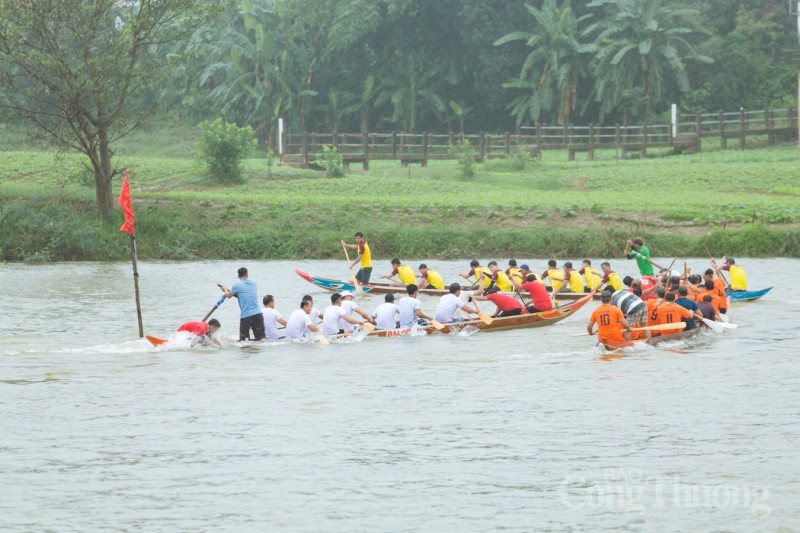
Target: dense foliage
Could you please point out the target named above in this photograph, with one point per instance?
(222, 147)
(449, 65)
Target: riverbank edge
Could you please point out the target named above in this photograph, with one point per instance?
(42, 230)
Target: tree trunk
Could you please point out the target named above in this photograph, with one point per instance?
(102, 175)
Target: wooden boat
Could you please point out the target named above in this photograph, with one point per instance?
(747, 296)
(338, 285)
(654, 340)
(533, 320)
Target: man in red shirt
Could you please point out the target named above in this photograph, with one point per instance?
(203, 331)
(506, 305)
(537, 291)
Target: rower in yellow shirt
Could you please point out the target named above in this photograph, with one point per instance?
(610, 278)
(475, 270)
(513, 271)
(404, 272)
(499, 278)
(573, 278)
(429, 278)
(593, 278)
(553, 275)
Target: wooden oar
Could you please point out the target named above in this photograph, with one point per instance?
(714, 263)
(718, 326)
(224, 297)
(368, 326)
(355, 280)
(322, 339)
(486, 319)
(438, 325)
(657, 327)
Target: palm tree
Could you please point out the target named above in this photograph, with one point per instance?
(552, 69)
(410, 88)
(641, 47)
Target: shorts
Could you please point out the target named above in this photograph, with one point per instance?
(256, 322)
(639, 317)
(363, 275)
(512, 312)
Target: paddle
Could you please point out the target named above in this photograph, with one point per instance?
(367, 326)
(657, 327)
(718, 327)
(322, 339)
(350, 268)
(714, 264)
(438, 325)
(486, 319)
(155, 341)
(222, 299)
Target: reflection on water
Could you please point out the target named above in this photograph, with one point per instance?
(528, 429)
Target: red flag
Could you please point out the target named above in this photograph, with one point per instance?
(126, 205)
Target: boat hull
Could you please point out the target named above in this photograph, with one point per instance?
(747, 296)
(533, 320)
(654, 340)
(338, 285)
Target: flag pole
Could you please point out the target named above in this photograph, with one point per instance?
(126, 204)
(136, 285)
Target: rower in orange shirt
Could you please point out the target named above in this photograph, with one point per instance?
(669, 312)
(652, 305)
(610, 321)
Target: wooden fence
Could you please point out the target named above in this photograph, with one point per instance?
(776, 124)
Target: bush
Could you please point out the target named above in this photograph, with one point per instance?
(332, 162)
(466, 158)
(222, 147)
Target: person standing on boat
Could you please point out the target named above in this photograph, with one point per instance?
(449, 303)
(202, 331)
(272, 317)
(351, 307)
(738, 278)
(385, 315)
(633, 308)
(334, 314)
(540, 299)
(641, 253)
(429, 278)
(246, 292)
(610, 278)
(610, 321)
(364, 257)
(299, 324)
(404, 272)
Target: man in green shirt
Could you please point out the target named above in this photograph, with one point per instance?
(640, 252)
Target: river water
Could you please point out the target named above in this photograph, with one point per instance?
(520, 430)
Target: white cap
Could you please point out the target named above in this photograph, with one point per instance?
(346, 293)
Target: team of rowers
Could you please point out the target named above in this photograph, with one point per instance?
(627, 303)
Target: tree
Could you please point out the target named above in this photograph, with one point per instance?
(641, 44)
(74, 69)
(552, 69)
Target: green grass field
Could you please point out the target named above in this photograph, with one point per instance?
(747, 202)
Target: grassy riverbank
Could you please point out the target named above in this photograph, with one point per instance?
(734, 202)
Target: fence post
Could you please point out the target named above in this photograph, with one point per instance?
(425, 149)
(742, 129)
(482, 145)
(394, 145)
(616, 134)
(539, 138)
(508, 144)
(305, 149)
(566, 136)
(723, 141)
(644, 141)
(365, 142)
(793, 122)
(450, 139)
